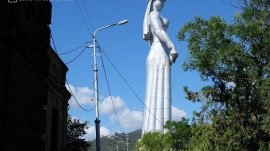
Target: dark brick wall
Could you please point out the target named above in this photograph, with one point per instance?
(33, 97)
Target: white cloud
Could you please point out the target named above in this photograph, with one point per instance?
(84, 96)
(178, 114)
(104, 131)
(91, 132)
(107, 106)
(130, 120)
(231, 85)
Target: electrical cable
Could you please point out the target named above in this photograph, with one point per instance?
(109, 90)
(64, 53)
(88, 15)
(87, 110)
(76, 56)
(53, 43)
(129, 86)
(82, 16)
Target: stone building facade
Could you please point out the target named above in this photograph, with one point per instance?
(33, 97)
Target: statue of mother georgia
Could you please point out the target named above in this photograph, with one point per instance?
(158, 68)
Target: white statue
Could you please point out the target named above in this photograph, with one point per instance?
(158, 81)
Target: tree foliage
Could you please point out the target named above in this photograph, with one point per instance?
(235, 58)
(176, 138)
(180, 133)
(154, 141)
(75, 131)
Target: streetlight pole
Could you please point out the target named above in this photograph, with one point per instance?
(97, 121)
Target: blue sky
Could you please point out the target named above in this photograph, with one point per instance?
(72, 27)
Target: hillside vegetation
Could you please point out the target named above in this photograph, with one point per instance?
(111, 142)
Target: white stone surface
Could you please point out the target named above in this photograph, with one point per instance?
(158, 68)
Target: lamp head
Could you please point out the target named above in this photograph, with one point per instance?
(122, 22)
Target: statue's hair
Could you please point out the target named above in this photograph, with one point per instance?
(146, 29)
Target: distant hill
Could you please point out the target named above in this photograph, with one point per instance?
(111, 142)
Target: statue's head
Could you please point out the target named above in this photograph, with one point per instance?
(146, 31)
(158, 0)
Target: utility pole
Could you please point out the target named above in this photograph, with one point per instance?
(117, 146)
(127, 141)
(95, 69)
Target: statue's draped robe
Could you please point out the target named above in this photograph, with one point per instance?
(158, 93)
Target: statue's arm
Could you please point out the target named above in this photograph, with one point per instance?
(158, 30)
(162, 35)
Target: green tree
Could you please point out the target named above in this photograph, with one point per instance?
(235, 58)
(176, 138)
(180, 133)
(154, 141)
(75, 131)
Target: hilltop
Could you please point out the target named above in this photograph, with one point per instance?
(111, 142)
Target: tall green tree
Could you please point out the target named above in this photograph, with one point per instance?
(235, 58)
(177, 137)
(75, 132)
(154, 141)
(180, 133)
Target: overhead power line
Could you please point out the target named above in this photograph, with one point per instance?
(67, 52)
(129, 86)
(109, 90)
(53, 43)
(87, 110)
(90, 21)
(76, 56)
(82, 16)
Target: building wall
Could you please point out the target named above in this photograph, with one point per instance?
(33, 97)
